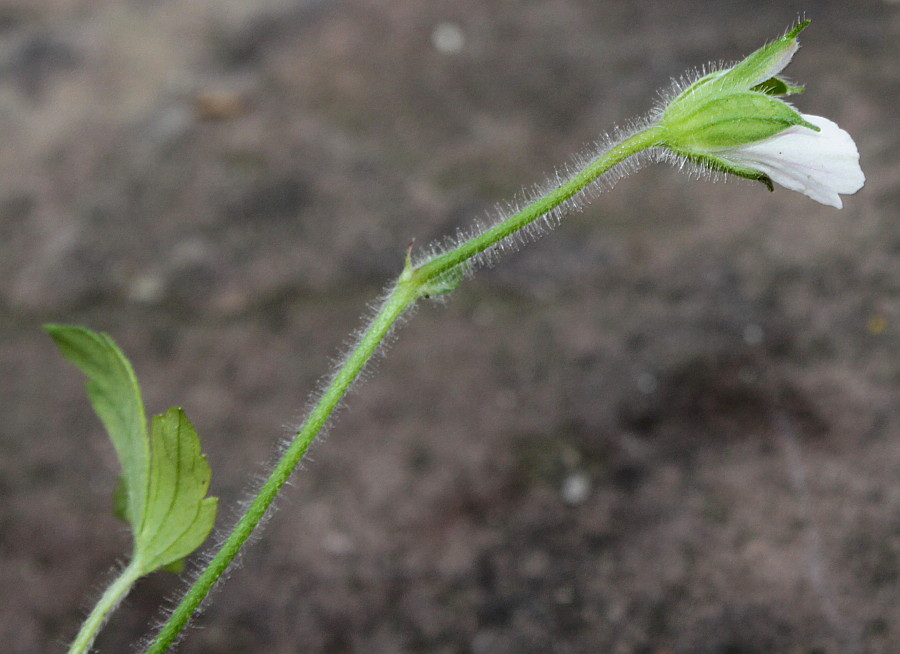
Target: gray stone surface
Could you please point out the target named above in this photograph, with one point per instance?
(669, 426)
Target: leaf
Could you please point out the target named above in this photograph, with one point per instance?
(177, 518)
(164, 479)
(120, 500)
(116, 397)
(175, 567)
(446, 282)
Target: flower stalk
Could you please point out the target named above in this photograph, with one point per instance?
(427, 279)
(731, 120)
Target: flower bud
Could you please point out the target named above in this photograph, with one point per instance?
(732, 120)
(727, 119)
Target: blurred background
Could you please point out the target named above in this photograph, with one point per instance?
(670, 426)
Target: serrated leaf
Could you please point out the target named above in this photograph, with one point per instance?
(177, 517)
(116, 397)
(164, 479)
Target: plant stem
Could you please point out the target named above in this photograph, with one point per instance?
(110, 599)
(396, 303)
(641, 140)
(412, 284)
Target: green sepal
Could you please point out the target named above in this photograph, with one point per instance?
(777, 86)
(715, 163)
(728, 120)
(735, 106)
(695, 86)
(765, 62)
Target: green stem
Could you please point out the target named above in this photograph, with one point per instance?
(413, 283)
(632, 145)
(110, 599)
(396, 303)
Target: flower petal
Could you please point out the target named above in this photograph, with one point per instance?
(818, 164)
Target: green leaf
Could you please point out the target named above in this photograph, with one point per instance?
(444, 283)
(116, 397)
(164, 479)
(177, 518)
(120, 500)
(175, 567)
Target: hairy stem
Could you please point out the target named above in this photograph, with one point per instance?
(110, 599)
(396, 303)
(413, 283)
(616, 154)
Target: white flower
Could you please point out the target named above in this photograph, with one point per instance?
(735, 121)
(818, 164)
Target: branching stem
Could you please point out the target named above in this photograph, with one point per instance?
(413, 283)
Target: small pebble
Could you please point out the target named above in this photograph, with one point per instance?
(753, 334)
(338, 544)
(647, 383)
(564, 595)
(219, 105)
(147, 289)
(576, 488)
(448, 38)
